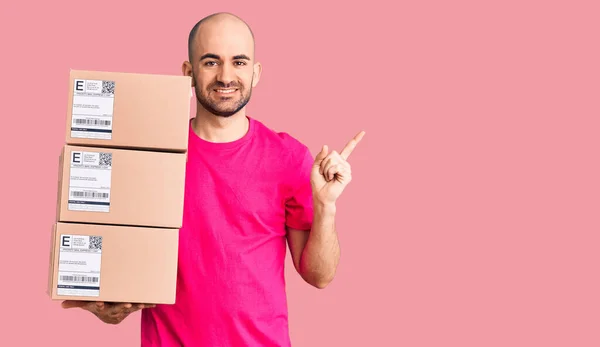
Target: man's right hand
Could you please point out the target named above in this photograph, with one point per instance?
(110, 313)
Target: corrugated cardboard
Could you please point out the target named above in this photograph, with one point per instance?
(93, 262)
(121, 187)
(128, 110)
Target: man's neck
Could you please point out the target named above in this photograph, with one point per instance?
(217, 129)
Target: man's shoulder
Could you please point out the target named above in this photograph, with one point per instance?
(283, 140)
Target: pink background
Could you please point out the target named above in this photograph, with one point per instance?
(472, 219)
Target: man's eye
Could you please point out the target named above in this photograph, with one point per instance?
(210, 63)
(240, 63)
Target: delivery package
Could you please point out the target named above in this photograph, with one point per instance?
(121, 187)
(94, 262)
(128, 110)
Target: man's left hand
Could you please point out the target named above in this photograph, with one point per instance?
(331, 172)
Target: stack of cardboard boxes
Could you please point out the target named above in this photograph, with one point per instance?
(121, 188)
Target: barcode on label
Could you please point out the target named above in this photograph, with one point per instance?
(108, 87)
(93, 122)
(96, 242)
(90, 195)
(106, 159)
(81, 279)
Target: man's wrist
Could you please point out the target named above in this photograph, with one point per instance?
(324, 208)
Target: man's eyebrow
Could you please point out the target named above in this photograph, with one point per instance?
(209, 55)
(241, 57)
(215, 56)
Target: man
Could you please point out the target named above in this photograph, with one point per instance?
(248, 190)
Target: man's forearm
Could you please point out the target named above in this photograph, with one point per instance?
(321, 254)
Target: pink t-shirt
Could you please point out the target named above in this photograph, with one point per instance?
(239, 197)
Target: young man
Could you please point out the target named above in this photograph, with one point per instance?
(248, 190)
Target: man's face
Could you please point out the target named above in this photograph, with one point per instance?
(223, 69)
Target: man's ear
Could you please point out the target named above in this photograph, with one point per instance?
(186, 70)
(257, 74)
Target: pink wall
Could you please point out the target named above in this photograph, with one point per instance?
(472, 219)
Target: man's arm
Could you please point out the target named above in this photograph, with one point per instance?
(316, 253)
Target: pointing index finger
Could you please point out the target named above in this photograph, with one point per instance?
(351, 145)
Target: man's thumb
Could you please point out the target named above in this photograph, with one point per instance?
(72, 304)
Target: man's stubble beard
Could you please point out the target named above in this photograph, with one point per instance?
(211, 107)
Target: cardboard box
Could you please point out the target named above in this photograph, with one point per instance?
(121, 187)
(93, 262)
(128, 110)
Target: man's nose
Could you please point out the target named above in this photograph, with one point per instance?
(226, 74)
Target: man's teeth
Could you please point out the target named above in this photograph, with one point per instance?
(225, 90)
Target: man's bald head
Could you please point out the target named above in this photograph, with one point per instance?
(209, 22)
(221, 64)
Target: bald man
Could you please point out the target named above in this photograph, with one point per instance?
(249, 189)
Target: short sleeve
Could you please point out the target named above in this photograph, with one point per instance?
(299, 204)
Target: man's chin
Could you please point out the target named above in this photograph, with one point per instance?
(224, 112)
(223, 108)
